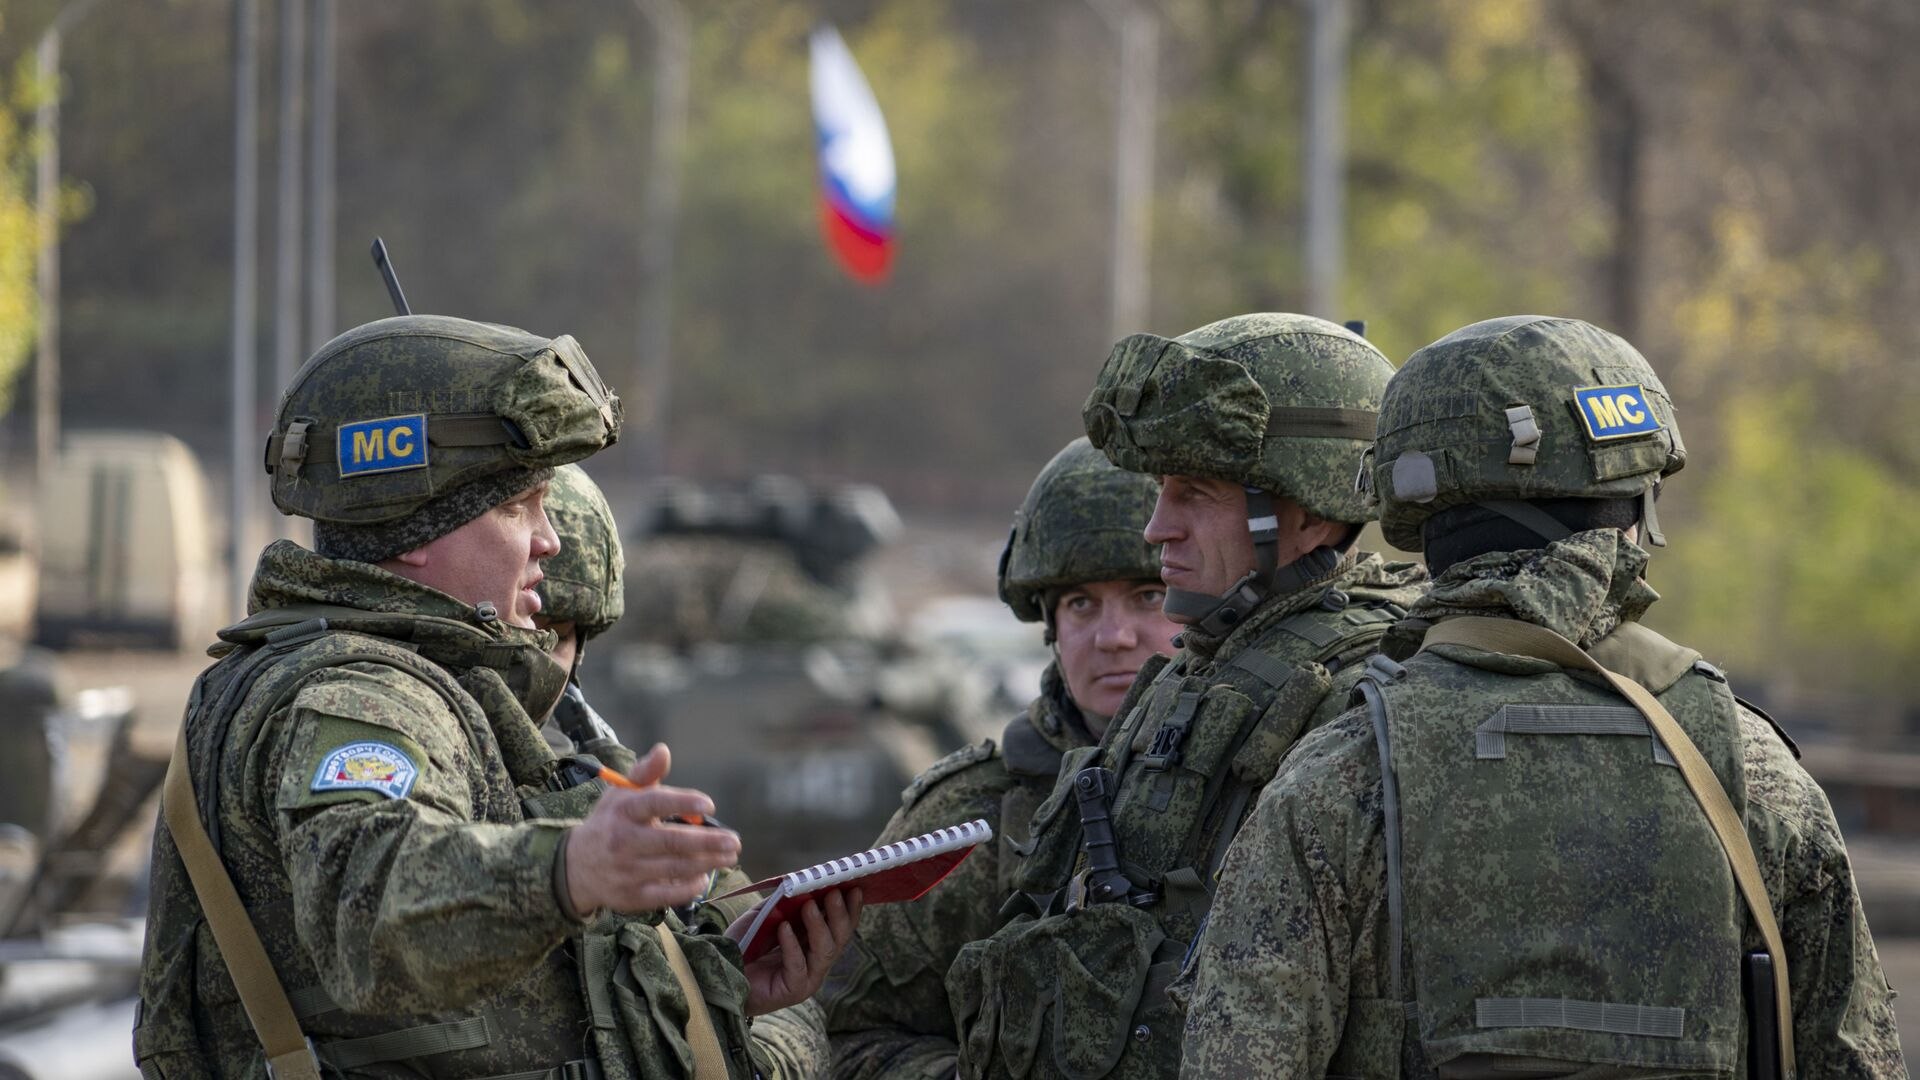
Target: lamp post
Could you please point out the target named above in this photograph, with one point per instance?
(1328, 28)
(46, 214)
(1138, 34)
(243, 447)
(659, 218)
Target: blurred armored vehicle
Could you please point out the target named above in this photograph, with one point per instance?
(70, 934)
(757, 648)
(126, 545)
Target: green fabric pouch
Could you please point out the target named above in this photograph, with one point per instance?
(1067, 986)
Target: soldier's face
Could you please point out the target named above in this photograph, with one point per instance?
(1200, 524)
(496, 557)
(1105, 630)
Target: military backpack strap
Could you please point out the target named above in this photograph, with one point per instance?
(289, 1054)
(1525, 639)
(709, 1061)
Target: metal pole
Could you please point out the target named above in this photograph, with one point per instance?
(46, 194)
(1134, 123)
(287, 331)
(46, 221)
(320, 186)
(659, 219)
(244, 449)
(1328, 30)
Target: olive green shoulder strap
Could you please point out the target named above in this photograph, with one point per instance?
(289, 1055)
(709, 1061)
(1525, 639)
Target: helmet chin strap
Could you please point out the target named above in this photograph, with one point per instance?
(1216, 616)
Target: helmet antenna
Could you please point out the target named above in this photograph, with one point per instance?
(387, 275)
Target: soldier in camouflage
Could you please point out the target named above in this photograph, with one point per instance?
(1255, 426)
(1538, 885)
(581, 597)
(425, 886)
(1077, 562)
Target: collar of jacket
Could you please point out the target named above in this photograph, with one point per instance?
(1581, 587)
(365, 599)
(1197, 648)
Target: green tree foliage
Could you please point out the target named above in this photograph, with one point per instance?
(1728, 182)
(19, 305)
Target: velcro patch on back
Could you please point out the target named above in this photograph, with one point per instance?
(1615, 412)
(367, 766)
(389, 444)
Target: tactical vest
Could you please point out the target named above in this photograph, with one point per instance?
(1075, 988)
(1034, 764)
(594, 1009)
(1565, 908)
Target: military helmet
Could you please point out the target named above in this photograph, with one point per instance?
(390, 415)
(1082, 521)
(1280, 403)
(584, 583)
(1515, 409)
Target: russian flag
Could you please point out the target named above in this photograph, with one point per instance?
(856, 160)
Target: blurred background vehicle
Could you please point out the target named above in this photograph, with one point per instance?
(760, 647)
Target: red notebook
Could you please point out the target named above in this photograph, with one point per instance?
(885, 875)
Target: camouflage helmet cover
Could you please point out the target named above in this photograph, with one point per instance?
(389, 415)
(585, 583)
(1081, 521)
(1494, 411)
(1284, 403)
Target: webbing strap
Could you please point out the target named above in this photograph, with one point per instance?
(1314, 422)
(1525, 639)
(289, 1056)
(709, 1061)
(1490, 738)
(1657, 1021)
(406, 1044)
(462, 429)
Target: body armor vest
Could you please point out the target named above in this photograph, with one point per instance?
(564, 1016)
(1076, 988)
(1567, 910)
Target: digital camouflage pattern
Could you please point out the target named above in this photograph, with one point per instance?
(584, 583)
(1279, 402)
(1084, 994)
(1450, 402)
(382, 913)
(886, 1000)
(492, 398)
(1081, 521)
(1293, 975)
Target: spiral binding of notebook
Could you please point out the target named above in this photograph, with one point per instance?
(900, 871)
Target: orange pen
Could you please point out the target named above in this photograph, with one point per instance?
(618, 779)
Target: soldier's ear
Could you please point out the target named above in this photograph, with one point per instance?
(415, 558)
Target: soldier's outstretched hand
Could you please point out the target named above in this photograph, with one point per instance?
(788, 974)
(625, 857)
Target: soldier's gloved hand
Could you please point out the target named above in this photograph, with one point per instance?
(625, 858)
(787, 974)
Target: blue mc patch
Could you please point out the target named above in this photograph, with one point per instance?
(1615, 412)
(389, 444)
(367, 766)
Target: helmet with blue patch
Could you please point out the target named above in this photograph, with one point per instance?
(1519, 409)
(392, 415)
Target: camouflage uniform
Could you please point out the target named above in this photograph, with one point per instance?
(584, 584)
(1530, 933)
(887, 999)
(366, 757)
(1072, 986)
